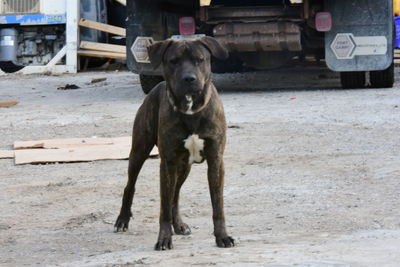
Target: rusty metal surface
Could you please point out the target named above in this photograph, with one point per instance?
(250, 37)
(215, 15)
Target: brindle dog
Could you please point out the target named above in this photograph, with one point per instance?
(185, 118)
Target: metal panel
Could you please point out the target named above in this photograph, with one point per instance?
(33, 19)
(361, 38)
(142, 22)
(215, 15)
(252, 37)
(20, 6)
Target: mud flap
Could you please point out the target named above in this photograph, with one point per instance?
(361, 38)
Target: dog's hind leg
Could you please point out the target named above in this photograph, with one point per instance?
(180, 227)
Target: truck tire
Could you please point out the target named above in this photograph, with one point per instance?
(383, 78)
(149, 81)
(352, 80)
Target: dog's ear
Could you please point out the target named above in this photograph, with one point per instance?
(217, 50)
(157, 50)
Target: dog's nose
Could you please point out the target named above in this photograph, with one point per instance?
(189, 78)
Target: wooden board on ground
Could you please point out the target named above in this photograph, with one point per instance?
(103, 47)
(73, 150)
(101, 54)
(72, 142)
(8, 103)
(78, 154)
(6, 154)
(102, 27)
(74, 154)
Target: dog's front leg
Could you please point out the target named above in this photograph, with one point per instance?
(216, 184)
(168, 177)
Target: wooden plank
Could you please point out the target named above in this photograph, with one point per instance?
(102, 27)
(73, 150)
(122, 2)
(98, 80)
(103, 47)
(71, 142)
(6, 154)
(77, 154)
(101, 54)
(8, 103)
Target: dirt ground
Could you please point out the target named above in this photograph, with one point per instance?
(312, 176)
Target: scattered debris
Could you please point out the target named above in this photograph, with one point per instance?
(4, 227)
(8, 103)
(234, 127)
(97, 80)
(68, 87)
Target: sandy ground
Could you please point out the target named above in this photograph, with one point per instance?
(312, 176)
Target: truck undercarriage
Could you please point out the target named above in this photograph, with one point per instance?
(352, 36)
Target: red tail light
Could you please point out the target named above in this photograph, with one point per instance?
(323, 21)
(187, 26)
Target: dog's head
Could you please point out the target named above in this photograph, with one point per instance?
(187, 69)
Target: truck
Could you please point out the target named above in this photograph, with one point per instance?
(352, 37)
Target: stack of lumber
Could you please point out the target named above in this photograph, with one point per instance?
(70, 150)
(396, 59)
(93, 49)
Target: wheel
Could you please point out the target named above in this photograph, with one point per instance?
(383, 78)
(149, 81)
(351, 80)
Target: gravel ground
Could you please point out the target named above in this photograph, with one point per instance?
(312, 176)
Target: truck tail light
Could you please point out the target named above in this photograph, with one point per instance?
(323, 21)
(187, 26)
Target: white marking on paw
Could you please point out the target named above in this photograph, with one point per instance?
(194, 144)
(189, 110)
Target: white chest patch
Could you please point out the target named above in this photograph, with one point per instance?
(194, 145)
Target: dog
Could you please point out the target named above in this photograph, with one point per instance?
(184, 117)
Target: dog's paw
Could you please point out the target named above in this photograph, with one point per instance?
(225, 242)
(182, 229)
(164, 237)
(164, 244)
(122, 224)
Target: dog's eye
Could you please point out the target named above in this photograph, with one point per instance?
(199, 60)
(174, 61)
